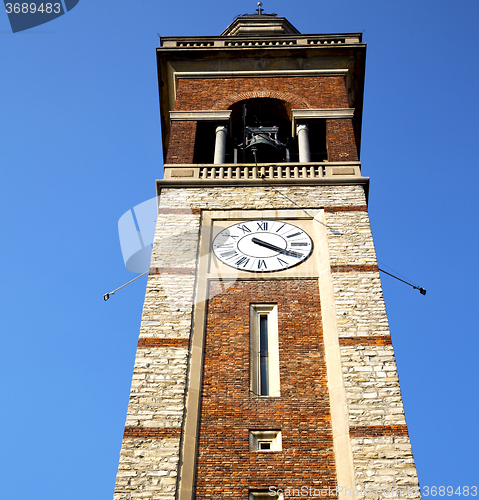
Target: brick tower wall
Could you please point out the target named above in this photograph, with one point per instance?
(298, 92)
(226, 466)
(381, 452)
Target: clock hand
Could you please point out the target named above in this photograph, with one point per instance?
(278, 249)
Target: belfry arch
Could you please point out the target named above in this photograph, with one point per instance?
(260, 130)
(293, 101)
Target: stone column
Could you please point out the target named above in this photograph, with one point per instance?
(220, 144)
(303, 143)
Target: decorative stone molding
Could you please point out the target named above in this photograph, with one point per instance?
(238, 172)
(204, 115)
(317, 114)
(250, 39)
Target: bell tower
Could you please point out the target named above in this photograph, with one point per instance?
(265, 367)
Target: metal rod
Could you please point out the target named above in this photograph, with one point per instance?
(421, 290)
(107, 295)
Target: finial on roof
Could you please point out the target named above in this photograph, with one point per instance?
(260, 24)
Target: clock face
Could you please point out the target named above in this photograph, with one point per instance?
(262, 245)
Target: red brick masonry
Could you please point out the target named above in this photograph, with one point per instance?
(340, 139)
(379, 340)
(354, 269)
(163, 343)
(182, 142)
(379, 430)
(152, 432)
(316, 92)
(226, 468)
(359, 208)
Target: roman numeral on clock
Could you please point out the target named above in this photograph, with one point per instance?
(231, 253)
(242, 262)
(244, 228)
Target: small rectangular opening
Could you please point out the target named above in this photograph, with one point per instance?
(265, 440)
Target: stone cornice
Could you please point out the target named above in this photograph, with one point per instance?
(305, 114)
(254, 40)
(262, 74)
(317, 114)
(205, 115)
(207, 183)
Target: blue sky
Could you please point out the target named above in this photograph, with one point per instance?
(80, 145)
